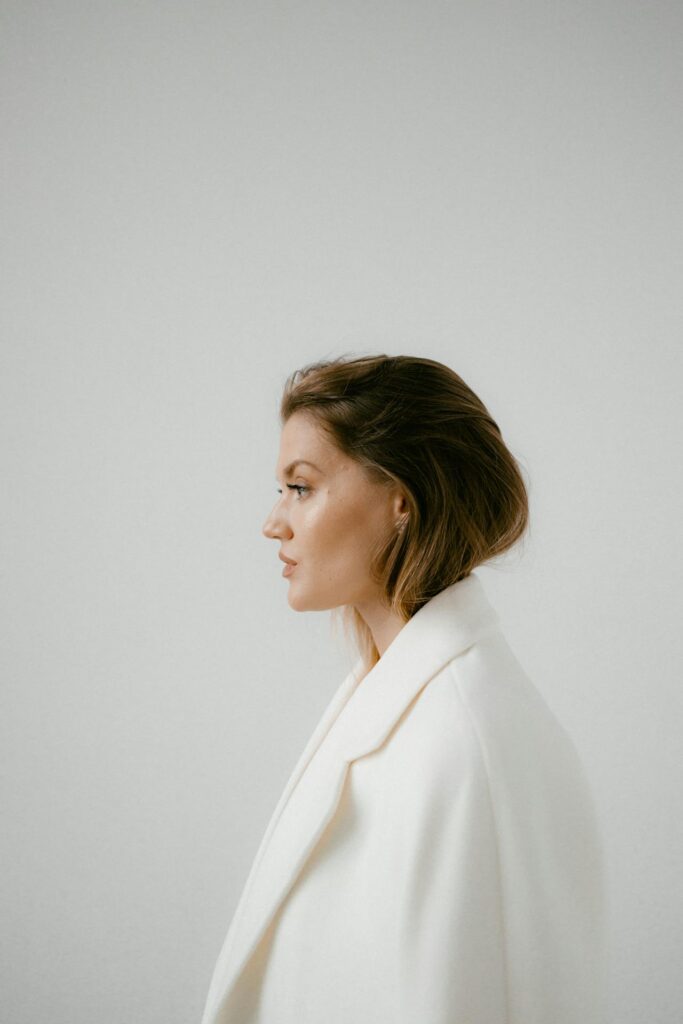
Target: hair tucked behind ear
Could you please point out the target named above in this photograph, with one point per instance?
(415, 422)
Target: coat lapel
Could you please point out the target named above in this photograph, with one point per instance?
(357, 721)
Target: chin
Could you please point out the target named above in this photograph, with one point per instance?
(294, 603)
(301, 602)
(295, 600)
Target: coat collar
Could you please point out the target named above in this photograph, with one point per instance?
(359, 718)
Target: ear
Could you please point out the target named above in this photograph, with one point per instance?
(400, 507)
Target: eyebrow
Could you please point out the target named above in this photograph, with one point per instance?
(290, 468)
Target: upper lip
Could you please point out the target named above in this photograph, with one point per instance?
(285, 559)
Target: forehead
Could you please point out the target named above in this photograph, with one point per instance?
(302, 440)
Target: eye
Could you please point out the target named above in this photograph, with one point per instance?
(301, 488)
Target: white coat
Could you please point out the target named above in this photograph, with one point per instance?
(435, 856)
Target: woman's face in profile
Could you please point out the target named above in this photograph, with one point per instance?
(329, 519)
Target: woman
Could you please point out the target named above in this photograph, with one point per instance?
(434, 857)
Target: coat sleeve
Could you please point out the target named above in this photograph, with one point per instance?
(501, 918)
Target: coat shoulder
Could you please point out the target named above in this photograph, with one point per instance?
(482, 716)
(540, 794)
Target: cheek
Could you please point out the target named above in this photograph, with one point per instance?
(324, 527)
(336, 528)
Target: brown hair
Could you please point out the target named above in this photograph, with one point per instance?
(414, 422)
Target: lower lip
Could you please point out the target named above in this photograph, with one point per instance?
(288, 569)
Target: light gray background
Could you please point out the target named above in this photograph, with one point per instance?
(197, 198)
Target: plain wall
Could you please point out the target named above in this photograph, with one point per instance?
(198, 198)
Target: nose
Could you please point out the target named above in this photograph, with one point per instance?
(275, 528)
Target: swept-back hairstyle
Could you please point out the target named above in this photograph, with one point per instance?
(414, 422)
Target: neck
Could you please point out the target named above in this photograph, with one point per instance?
(383, 624)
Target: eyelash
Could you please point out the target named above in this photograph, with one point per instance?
(296, 487)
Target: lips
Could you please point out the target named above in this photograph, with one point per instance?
(283, 558)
